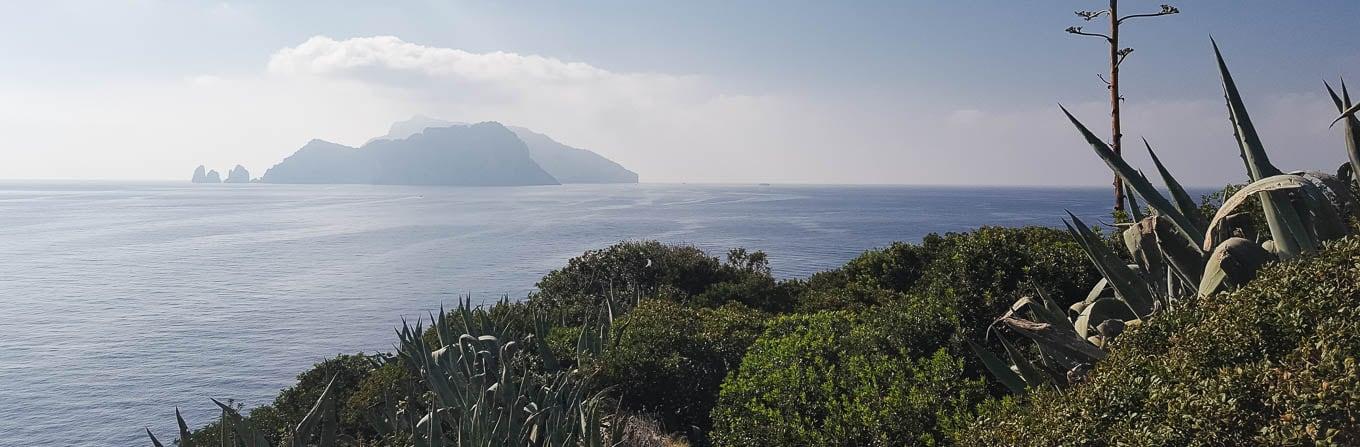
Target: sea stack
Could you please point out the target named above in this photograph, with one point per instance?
(238, 174)
(200, 174)
(212, 177)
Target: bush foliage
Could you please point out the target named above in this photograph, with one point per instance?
(1273, 363)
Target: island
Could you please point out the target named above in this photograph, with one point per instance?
(482, 154)
(565, 163)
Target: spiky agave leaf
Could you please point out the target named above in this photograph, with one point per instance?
(1140, 240)
(1290, 235)
(1140, 184)
(1184, 203)
(1352, 126)
(1249, 142)
(998, 368)
(1233, 263)
(1127, 285)
(1033, 376)
(154, 442)
(1284, 222)
(246, 434)
(185, 440)
(1099, 311)
(307, 426)
(1134, 210)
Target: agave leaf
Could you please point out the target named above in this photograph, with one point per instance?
(1352, 127)
(307, 426)
(1057, 337)
(1184, 203)
(1321, 208)
(1098, 291)
(998, 368)
(1031, 374)
(1099, 311)
(1285, 224)
(1134, 210)
(1348, 113)
(154, 442)
(330, 425)
(1186, 259)
(185, 440)
(1127, 285)
(1140, 184)
(1141, 242)
(1233, 263)
(1248, 142)
(1286, 228)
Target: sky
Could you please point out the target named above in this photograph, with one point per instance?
(961, 92)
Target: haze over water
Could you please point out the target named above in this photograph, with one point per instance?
(120, 301)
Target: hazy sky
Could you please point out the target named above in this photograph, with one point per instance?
(918, 92)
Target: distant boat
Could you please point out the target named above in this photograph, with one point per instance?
(764, 184)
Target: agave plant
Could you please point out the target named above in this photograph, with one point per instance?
(475, 388)
(484, 395)
(1176, 251)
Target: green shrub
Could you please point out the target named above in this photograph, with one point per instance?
(980, 271)
(671, 359)
(279, 417)
(628, 271)
(1273, 363)
(831, 379)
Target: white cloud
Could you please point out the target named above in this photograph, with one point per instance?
(325, 56)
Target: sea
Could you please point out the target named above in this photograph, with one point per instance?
(120, 302)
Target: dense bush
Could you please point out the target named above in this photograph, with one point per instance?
(980, 271)
(1273, 363)
(278, 418)
(838, 379)
(629, 271)
(671, 359)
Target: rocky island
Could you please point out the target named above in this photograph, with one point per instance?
(200, 176)
(482, 154)
(565, 163)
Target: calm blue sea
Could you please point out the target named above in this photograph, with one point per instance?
(119, 302)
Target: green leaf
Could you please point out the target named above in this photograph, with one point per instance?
(1099, 311)
(1127, 285)
(1140, 183)
(1184, 203)
(185, 440)
(1186, 259)
(1134, 210)
(154, 442)
(307, 426)
(1233, 263)
(1286, 229)
(998, 368)
(1031, 374)
(1352, 127)
(1248, 142)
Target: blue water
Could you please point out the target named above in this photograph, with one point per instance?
(119, 302)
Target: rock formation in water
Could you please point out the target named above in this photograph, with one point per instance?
(483, 154)
(212, 177)
(238, 174)
(200, 174)
(565, 163)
